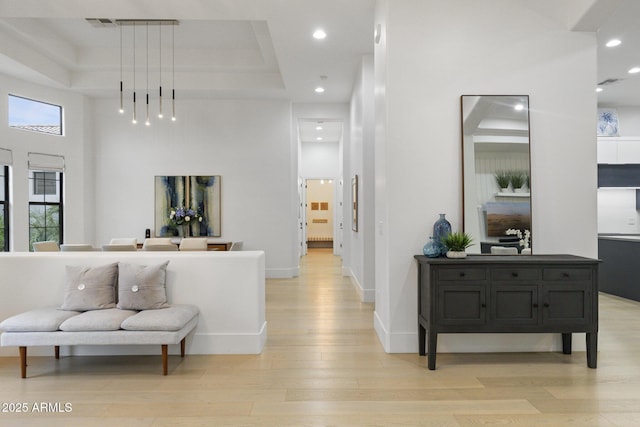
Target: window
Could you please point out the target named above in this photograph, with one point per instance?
(4, 208)
(44, 183)
(45, 207)
(35, 116)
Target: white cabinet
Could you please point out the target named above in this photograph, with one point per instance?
(619, 150)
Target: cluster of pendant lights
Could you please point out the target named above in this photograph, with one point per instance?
(160, 24)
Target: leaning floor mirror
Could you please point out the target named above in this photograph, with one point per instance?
(496, 171)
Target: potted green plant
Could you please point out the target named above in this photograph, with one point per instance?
(517, 180)
(503, 178)
(456, 244)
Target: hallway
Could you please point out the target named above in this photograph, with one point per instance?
(323, 365)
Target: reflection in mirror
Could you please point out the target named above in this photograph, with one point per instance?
(496, 173)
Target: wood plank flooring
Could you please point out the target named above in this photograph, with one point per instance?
(324, 366)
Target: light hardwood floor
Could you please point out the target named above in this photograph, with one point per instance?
(324, 366)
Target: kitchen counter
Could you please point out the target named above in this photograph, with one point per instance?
(619, 273)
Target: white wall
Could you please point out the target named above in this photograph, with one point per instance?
(247, 142)
(435, 51)
(320, 160)
(76, 148)
(361, 266)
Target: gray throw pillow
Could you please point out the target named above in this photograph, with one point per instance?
(142, 287)
(90, 288)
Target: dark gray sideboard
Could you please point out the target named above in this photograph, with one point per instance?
(508, 294)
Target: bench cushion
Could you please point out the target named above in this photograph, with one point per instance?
(142, 287)
(97, 320)
(38, 320)
(167, 319)
(90, 288)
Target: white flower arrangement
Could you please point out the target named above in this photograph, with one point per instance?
(183, 216)
(525, 237)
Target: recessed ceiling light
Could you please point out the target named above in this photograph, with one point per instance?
(634, 70)
(318, 127)
(319, 89)
(319, 138)
(613, 43)
(319, 34)
(599, 89)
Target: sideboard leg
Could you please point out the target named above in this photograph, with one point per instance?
(566, 343)
(422, 333)
(592, 349)
(433, 343)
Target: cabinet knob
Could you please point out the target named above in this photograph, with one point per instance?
(535, 305)
(546, 305)
(483, 305)
(565, 275)
(514, 274)
(462, 274)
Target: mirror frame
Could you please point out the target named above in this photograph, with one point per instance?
(478, 240)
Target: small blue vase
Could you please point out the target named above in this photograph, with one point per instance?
(441, 228)
(431, 248)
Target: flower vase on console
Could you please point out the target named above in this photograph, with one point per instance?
(431, 248)
(195, 228)
(441, 229)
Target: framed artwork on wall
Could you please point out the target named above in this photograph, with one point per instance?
(354, 203)
(608, 122)
(198, 193)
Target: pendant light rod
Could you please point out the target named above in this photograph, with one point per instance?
(121, 83)
(147, 122)
(135, 118)
(173, 74)
(160, 78)
(147, 22)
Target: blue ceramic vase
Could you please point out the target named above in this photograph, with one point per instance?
(441, 228)
(431, 248)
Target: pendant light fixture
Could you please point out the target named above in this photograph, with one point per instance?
(135, 118)
(121, 81)
(147, 122)
(160, 23)
(160, 115)
(173, 73)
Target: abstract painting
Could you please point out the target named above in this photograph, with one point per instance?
(200, 193)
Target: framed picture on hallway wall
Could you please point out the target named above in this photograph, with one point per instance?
(354, 203)
(200, 193)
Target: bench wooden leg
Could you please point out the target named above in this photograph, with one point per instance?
(182, 345)
(165, 359)
(56, 350)
(23, 362)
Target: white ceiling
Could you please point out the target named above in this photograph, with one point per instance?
(241, 48)
(614, 63)
(223, 48)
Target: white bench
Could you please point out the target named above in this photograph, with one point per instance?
(111, 326)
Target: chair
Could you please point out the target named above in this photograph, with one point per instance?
(160, 247)
(193, 244)
(121, 244)
(119, 248)
(76, 247)
(48, 246)
(151, 241)
(236, 246)
(124, 241)
(502, 250)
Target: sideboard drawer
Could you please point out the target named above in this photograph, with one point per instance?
(567, 274)
(462, 274)
(515, 274)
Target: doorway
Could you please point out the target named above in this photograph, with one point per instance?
(320, 213)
